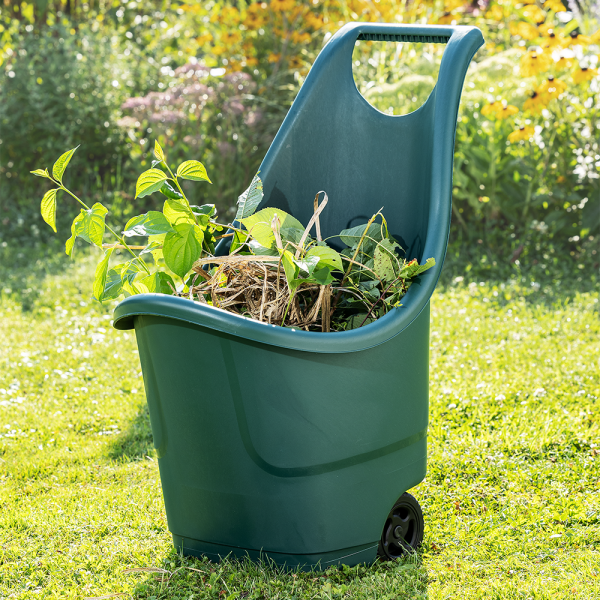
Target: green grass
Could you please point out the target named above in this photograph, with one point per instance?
(511, 499)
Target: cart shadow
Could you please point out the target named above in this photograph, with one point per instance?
(136, 441)
(405, 579)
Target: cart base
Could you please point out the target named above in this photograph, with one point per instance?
(364, 554)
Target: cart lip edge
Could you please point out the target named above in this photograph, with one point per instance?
(222, 321)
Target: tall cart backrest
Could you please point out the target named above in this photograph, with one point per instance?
(332, 139)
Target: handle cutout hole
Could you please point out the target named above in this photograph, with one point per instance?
(396, 78)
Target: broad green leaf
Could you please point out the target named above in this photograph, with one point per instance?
(321, 276)
(155, 243)
(100, 277)
(292, 234)
(76, 229)
(93, 224)
(158, 283)
(151, 223)
(48, 208)
(149, 182)
(413, 268)
(129, 270)
(158, 152)
(327, 257)
(259, 225)
(178, 212)
(88, 225)
(352, 236)
(385, 260)
(290, 268)
(308, 264)
(133, 288)
(41, 173)
(182, 247)
(248, 201)
(61, 164)
(193, 170)
(112, 285)
(205, 209)
(170, 191)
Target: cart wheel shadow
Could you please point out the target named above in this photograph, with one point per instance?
(405, 579)
(136, 441)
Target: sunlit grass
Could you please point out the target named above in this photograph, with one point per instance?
(511, 499)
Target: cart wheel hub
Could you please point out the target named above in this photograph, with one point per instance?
(398, 532)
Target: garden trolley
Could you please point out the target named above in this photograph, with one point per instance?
(296, 445)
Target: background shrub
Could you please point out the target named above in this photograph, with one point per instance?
(215, 80)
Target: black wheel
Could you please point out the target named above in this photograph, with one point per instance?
(403, 530)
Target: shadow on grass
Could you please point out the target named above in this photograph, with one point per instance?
(136, 441)
(182, 576)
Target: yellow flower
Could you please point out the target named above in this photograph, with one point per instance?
(595, 37)
(295, 62)
(313, 21)
(300, 38)
(230, 37)
(584, 74)
(533, 12)
(551, 88)
(204, 39)
(575, 39)
(535, 103)
(564, 62)
(534, 62)
(554, 6)
(554, 41)
(282, 5)
(273, 58)
(495, 13)
(447, 18)
(499, 110)
(250, 62)
(450, 5)
(218, 50)
(523, 133)
(524, 30)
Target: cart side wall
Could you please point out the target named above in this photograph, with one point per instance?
(266, 448)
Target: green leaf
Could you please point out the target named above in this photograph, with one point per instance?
(148, 182)
(206, 209)
(169, 191)
(385, 261)
(76, 229)
(100, 277)
(61, 164)
(48, 208)
(41, 173)
(321, 276)
(151, 223)
(413, 268)
(158, 283)
(183, 247)
(158, 152)
(193, 170)
(113, 285)
(290, 269)
(178, 212)
(259, 225)
(88, 225)
(327, 257)
(93, 224)
(248, 201)
(352, 236)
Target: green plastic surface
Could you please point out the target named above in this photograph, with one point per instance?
(292, 444)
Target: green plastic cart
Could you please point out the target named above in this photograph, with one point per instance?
(299, 446)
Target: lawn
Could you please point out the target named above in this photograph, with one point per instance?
(511, 498)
